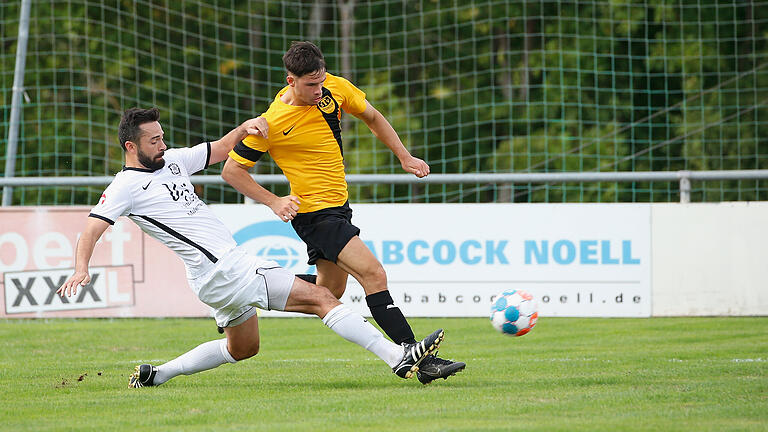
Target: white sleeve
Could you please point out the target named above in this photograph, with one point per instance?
(116, 201)
(193, 158)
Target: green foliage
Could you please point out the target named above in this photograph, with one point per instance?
(482, 86)
(682, 374)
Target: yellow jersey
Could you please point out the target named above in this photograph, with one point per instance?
(305, 142)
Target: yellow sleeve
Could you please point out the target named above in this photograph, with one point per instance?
(354, 98)
(249, 150)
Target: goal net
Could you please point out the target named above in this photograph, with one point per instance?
(480, 86)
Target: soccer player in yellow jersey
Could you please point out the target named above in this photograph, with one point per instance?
(304, 139)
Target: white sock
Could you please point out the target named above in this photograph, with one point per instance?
(354, 328)
(203, 357)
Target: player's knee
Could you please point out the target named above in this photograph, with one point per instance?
(376, 275)
(319, 297)
(243, 351)
(327, 297)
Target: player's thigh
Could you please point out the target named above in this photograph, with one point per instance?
(332, 277)
(243, 339)
(357, 260)
(310, 298)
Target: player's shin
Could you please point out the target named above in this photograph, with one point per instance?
(205, 356)
(356, 329)
(390, 318)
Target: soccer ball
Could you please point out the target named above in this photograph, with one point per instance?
(514, 313)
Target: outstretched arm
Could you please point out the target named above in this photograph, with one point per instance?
(222, 147)
(380, 127)
(94, 228)
(237, 175)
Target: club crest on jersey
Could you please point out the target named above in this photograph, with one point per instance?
(327, 104)
(174, 169)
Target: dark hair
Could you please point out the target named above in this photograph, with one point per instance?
(132, 119)
(303, 58)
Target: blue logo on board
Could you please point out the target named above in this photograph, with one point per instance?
(276, 241)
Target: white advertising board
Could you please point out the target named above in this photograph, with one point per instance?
(709, 259)
(452, 259)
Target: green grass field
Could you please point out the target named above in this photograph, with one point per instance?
(694, 374)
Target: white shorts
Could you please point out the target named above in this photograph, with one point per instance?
(239, 283)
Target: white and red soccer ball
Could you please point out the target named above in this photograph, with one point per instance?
(514, 312)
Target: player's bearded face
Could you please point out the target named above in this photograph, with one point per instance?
(153, 161)
(151, 146)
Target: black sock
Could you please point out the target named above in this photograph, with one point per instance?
(308, 277)
(390, 319)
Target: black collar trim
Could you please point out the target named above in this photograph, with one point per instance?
(146, 170)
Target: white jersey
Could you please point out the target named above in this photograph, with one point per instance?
(163, 204)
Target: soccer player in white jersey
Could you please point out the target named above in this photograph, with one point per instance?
(154, 191)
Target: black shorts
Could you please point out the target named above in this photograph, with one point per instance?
(325, 231)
